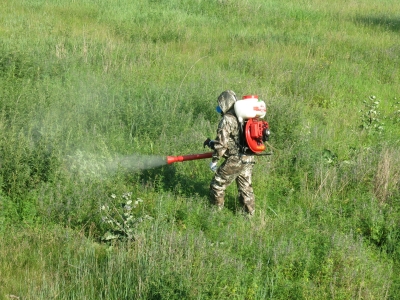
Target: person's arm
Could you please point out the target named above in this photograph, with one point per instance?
(221, 140)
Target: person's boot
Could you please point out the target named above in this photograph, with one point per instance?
(248, 205)
(217, 202)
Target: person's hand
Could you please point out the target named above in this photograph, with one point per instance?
(213, 166)
(209, 143)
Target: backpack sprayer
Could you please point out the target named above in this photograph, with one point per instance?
(253, 131)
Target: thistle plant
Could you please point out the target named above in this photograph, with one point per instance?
(370, 116)
(121, 220)
(396, 113)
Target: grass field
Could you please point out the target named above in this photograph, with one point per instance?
(95, 94)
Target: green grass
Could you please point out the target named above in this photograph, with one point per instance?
(89, 83)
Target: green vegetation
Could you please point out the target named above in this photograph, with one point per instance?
(93, 92)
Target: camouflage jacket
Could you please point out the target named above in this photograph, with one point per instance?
(227, 141)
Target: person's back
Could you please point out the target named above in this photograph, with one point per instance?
(237, 165)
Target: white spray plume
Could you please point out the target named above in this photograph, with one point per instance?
(136, 162)
(90, 165)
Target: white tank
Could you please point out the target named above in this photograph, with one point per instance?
(250, 107)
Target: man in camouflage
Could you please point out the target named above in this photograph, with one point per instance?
(237, 165)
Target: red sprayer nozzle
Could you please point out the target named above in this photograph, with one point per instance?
(173, 159)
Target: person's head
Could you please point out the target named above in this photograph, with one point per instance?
(226, 101)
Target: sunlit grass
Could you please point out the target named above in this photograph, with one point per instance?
(87, 83)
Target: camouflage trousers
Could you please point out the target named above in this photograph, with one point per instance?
(237, 168)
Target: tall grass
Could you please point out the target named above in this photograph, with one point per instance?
(89, 83)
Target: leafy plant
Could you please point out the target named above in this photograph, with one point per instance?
(396, 113)
(370, 116)
(120, 220)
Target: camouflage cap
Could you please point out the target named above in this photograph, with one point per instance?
(226, 100)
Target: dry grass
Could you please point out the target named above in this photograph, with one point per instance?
(387, 176)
